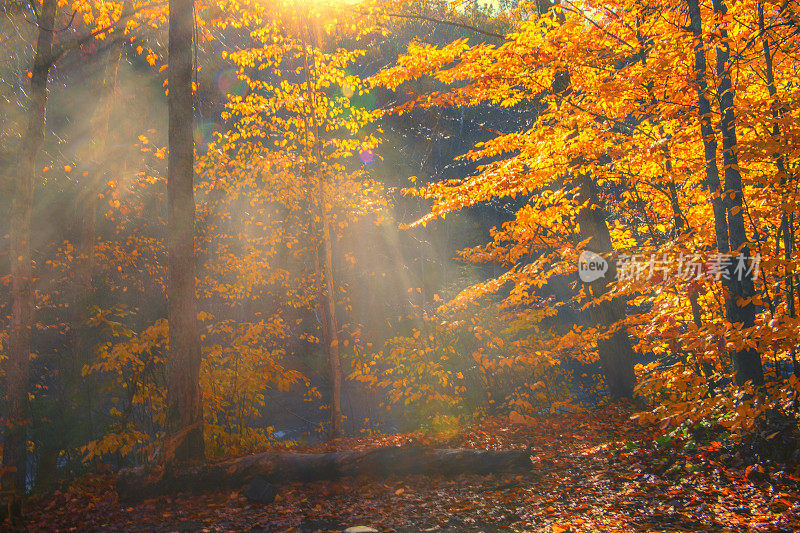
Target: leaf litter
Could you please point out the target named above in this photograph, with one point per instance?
(591, 472)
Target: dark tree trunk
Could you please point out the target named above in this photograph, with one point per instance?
(19, 341)
(184, 407)
(615, 352)
(285, 467)
(787, 219)
(728, 213)
(746, 362)
(707, 131)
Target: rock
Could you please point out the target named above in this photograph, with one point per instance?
(260, 491)
(360, 529)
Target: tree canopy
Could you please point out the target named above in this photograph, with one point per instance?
(264, 227)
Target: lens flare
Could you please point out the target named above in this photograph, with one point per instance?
(367, 157)
(229, 83)
(204, 135)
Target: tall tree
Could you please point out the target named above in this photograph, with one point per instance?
(508, 76)
(184, 408)
(746, 361)
(787, 216)
(727, 203)
(19, 349)
(327, 295)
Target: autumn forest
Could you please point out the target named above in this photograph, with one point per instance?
(400, 265)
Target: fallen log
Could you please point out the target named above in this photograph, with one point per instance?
(278, 466)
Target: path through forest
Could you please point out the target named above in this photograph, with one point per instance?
(591, 472)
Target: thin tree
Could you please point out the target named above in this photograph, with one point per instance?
(19, 345)
(327, 289)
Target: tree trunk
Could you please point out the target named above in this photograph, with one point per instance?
(746, 362)
(728, 217)
(334, 362)
(184, 407)
(787, 219)
(142, 482)
(616, 352)
(19, 341)
(707, 131)
(330, 326)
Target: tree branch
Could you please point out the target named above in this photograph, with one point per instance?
(462, 25)
(80, 41)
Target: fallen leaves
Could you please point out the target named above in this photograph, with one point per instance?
(584, 480)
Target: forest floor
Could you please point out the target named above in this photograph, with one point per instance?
(590, 474)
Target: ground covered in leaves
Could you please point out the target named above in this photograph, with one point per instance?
(590, 472)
